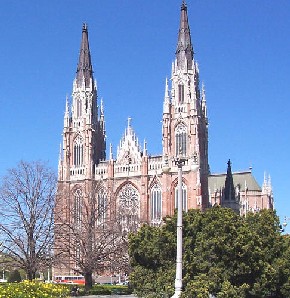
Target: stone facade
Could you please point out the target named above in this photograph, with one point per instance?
(142, 185)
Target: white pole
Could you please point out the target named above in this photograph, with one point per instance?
(178, 279)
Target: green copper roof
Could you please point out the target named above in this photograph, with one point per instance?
(217, 181)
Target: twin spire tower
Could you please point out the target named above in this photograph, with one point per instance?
(184, 130)
(141, 188)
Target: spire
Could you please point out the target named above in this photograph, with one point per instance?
(166, 95)
(229, 191)
(184, 51)
(111, 151)
(60, 158)
(84, 69)
(102, 116)
(166, 102)
(203, 101)
(145, 148)
(66, 113)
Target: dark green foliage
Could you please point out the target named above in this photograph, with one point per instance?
(224, 254)
(14, 276)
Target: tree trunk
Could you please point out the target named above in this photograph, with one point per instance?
(31, 275)
(88, 280)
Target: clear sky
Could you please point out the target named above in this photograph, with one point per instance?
(243, 51)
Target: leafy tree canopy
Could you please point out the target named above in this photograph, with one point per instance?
(225, 255)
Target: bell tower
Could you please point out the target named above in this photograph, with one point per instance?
(84, 132)
(185, 122)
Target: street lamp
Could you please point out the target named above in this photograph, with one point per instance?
(179, 161)
(285, 222)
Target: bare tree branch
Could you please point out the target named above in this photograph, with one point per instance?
(27, 201)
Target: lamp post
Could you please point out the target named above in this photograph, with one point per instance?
(179, 161)
(285, 222)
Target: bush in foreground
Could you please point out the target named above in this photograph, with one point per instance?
(29, 289)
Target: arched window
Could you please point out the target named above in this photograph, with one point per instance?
(77, 212)
(156, 204)
(79, 107)
(184, 197)
(102, 207)
(180, 140)
(78, 152)
(181, 93)
(129, 208)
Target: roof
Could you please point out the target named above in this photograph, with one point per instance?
(84, 69)
(184, 45)
(217, 181)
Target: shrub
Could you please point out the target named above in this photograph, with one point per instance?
(14, 276)
(29, 289)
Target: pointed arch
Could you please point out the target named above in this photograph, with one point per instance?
(184, 194)
(181, 139)
(128, 200)
(102, 205)
(78, 151)
(156, 204)
(180, 93)
(79, 105)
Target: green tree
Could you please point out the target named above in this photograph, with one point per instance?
(225, 255)
(152, 255)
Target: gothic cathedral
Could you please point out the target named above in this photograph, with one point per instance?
(143, 188)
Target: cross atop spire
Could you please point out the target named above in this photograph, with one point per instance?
(84, 69)
(184, 49)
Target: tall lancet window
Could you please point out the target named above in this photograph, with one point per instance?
(180, 140)
(79, 107)
(78, 152)
(156, 204)
(102, 207)
(77, 211)
(181, 93)
(184, 197)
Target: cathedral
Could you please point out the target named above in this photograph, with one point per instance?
(144, 187)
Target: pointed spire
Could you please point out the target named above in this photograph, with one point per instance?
(184, 51)
(111, 151)
(102, 107)
(166, 102)
(102, 117)
(60, 157)
(66, 113)
(145, 148)
(166, 95)
(84, 69)
(203, 101)
(229, 191)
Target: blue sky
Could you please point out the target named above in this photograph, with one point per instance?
(243, 52)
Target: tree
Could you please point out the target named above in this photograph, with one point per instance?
(225, 255)
(89, 238)
(14, 276)
(26, 200)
